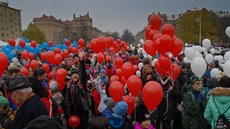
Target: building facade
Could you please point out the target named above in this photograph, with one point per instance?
(10, 22)
(56, 29)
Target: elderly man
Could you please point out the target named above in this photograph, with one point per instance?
(30, 105)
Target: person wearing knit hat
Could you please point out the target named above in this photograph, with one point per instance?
(143, 118)
(6, 116)
(109, 109)
(58, 97)
(117, 121)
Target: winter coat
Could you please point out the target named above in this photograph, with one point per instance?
(138, 126)
(117, 122)
(167, 108)
(192, 117)
(96, 100)
(103, 96)
(221, 96)
(107, 113)
(29, 110)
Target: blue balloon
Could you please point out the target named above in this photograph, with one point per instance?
(7, 51)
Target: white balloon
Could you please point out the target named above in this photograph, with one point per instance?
(138, 73)
(227, 68)
(227, 56)
(153, 62)
(190, 53)
(198, 66)
(199, 54)
(219, 58)
(213, 51)
(142, 41)
(138, 45)
(206, 43)
(203, 49)
(186, 60)
(209, 58)
(227, 31)
(186, 44)
(140, 65)
(215, 72)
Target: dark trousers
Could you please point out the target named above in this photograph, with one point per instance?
(166, 124)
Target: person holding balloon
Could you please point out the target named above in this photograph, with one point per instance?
(76, 100)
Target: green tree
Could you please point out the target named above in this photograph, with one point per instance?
(188, 26)
(115, 34)
(128, 37)
(33, 33)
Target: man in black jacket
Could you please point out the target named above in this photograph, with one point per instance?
(30, 105)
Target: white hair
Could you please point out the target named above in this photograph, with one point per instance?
(26, 90)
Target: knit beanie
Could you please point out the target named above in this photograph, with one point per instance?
(102, 71)
(109, 102)
(74, 70)
(4, 102)
(121, 109)
(142, 114)
(194, 79)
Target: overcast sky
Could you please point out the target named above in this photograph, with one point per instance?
(111, 15)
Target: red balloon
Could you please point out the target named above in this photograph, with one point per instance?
(4, 61)
(24, 54)
(33, 44)
(61, 75)
(93, 45)
(34, 64)
(174, 71)
(102, 44)
(152, 33)
(43, 56)
(118, 41)
(168, 29)
(70, 48)
(147, 31)
(110, 41)
(27, 65)
(177, 47)
(24, 71)
(50, 57)
(123, 44)
(152, 94)
(123, 80)
(119, 73)
(118, 62)
(156, 36)
(57, 51)
(114, 78)
(115, 46)
(165, 43)
(165, 62)
(22, 43)
(107, 58)
(74, 121)
(74, 50)
(50, 43)
(150, 48)
(127, 70)
(58, 59)
(81, 42)
(12, 42)
(116, 90)
(155, 22)
(159, 69)
(100, 58)
(65, 54)
(134, 84)
(67, 42)
(46, 67)
(61, 85)
(111, 50)
(31, 56)
(84, 56)
(130, 100)
(51, 75)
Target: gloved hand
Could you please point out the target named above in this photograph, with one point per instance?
(201, 96)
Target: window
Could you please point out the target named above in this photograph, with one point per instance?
(3, 34)
(12, 32)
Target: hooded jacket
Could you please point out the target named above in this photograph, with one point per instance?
(221, 96)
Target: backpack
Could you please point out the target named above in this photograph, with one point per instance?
(222, 122)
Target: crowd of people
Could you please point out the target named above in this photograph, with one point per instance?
(36, 101)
